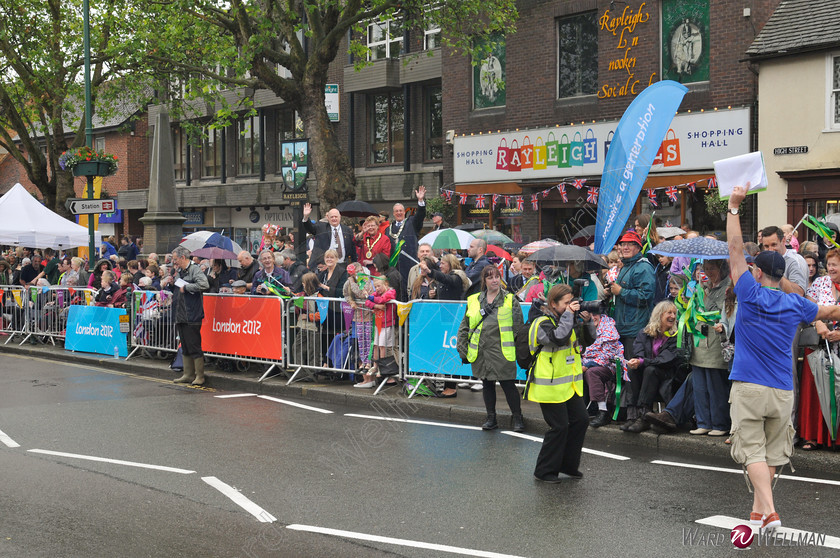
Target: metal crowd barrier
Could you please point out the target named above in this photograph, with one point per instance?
(323, 336)
(152, 322)
(13, 319)
(42, 311)
(246, 327)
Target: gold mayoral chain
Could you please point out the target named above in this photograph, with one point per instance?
(370, 245)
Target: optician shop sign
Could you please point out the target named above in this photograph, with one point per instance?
(693, 142)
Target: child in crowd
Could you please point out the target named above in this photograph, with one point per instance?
(306, 346)
(386, 318)
(357, 289)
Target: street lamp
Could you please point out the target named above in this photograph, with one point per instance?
(88, 122)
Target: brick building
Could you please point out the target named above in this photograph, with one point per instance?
(569, 72)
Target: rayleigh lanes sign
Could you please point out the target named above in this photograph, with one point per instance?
(693, 142)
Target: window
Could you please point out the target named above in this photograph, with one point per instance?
(211, 153)
(248, 140)
(434, 124)
(834, 92)
(578, 55)
(387, 128)
(99, 143)
(384, 39)
(431, 36)
(179, 147)
(489, 73)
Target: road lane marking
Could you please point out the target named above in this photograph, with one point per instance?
(114, 461)
(236, 395)
(8, 441)
(240, 500)
(400, 542)
(741, 472)
(726, 522)
(414, 421)
(293, 404)
(585, 450)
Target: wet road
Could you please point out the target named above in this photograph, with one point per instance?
(97, 463)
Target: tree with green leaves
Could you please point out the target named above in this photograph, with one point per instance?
(287, 47)
(42, 83)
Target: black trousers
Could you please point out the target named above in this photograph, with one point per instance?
(190, 335)
(563, 443)
(652, 379)
(511, 394)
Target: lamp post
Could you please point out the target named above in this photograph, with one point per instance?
(88, 124)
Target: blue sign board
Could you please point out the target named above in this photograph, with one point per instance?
(433, 338)
(95, 329)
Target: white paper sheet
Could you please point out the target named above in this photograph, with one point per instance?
(738, 171)
(180, 283)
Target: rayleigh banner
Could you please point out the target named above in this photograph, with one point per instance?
(243, 326)
(95, 329)
(633, 150)
(433, 338)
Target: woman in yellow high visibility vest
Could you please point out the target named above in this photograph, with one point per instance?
(556, 383)
(486, 339)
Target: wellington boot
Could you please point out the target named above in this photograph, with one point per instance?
(189, 371)
(490, 423)
(518, 423)
(199, 371)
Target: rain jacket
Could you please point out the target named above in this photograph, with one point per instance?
(189, 306)
(635, 302)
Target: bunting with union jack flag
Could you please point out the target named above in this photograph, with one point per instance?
(447, 195)
(535, 204)
(480, 202)
(672, 193)
(592, 196)
(579, 182)
(562, 189)
(520, 203)
(495, 200)
(463, 200)
(652, 197)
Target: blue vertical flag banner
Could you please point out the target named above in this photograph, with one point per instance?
(433, 338)
(632, 151)
(95, 329)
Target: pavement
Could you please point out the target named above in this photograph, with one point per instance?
(466, 408)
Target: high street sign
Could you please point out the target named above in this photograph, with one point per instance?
(81, 206)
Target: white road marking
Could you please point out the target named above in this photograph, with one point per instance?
(236, 395)
(741, 472)
(240, 500)
(8, 441)
(400, 542)
(730, 523)
(413, 421)
(585, 450)
(114, 461)
(293, 404)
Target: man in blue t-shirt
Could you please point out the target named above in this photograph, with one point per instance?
(762, 376)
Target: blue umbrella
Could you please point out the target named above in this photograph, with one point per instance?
(699, 247)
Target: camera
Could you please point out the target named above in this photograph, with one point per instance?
(593, 306)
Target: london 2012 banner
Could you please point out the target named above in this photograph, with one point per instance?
(634, 146)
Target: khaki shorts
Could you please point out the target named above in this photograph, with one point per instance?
(761, 425)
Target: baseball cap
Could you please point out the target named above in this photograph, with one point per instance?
(631, 236)
(771, 263)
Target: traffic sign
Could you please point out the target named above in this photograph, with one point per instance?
(81, 206)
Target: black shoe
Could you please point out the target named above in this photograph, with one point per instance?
(626, 425)
(638, 425)
(490, 423)
(550, 479)
(602, 419)
(518, 423)
(663, 420)
(572, 475)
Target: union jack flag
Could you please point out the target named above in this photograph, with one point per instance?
(463, 199)
(545, 193)
(562, 189)
(692, 186)
(447, 195)
(579, 182)
(507, 201)
(520, 203)
(652, 197)
(592, 196)
(712, 182)
(672, 193)
(535, 204)
(480, 201)
(495, 200)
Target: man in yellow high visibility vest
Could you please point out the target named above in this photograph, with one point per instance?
(556, 383)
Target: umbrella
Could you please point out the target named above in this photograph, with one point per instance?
(700, 247)
(492, 249)
(669, 232)
(205, 239)
(448, 238)
(566, 253)
(538, 245)
(492, 236)
(824, 364)
(214, 253)
(356, 208)
(470, 226)
(586, 233)
(512, 247)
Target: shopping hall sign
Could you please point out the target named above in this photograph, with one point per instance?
(693, 143)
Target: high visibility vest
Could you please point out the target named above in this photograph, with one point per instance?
(557, 375)
(505, 319)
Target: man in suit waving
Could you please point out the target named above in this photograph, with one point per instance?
(331, 235)
(407, 229)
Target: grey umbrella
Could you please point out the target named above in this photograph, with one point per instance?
(699, 247)
(823, 364)
(566, 253)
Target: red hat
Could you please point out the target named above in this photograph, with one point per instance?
(631, 236)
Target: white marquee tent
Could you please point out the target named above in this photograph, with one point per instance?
(24, 221)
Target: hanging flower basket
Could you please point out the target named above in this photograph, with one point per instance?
(88, 162)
